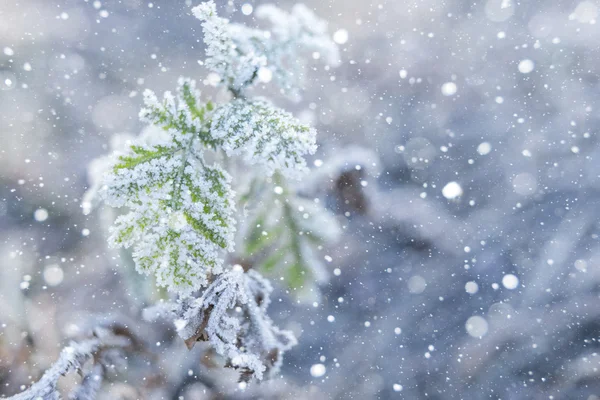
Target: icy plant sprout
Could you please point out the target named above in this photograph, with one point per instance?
(181, 208)
(175, 186)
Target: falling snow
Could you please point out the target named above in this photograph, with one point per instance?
(346, 199)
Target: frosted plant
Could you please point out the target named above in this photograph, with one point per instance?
(180, 212)
(240, 55)
(119, 145)
(104, 348)
(264, 134)
(180, 209)
(284, 235)
(232, 315)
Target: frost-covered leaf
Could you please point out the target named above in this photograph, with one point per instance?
(183, 113)
(99, 166)
(71, 358)
(232, 316)
(180, 209)
(238, 53)
(263, 134)
(302, 28)
(309, 225)
(119, 146)
(284, 235)
(235, 68)
(180, 215)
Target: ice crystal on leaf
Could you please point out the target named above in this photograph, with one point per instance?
(180, 209)
(183, 115)
(232, 316)
(307, 226)
(263, 134)
(120, 144)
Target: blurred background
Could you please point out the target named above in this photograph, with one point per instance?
(459, 148)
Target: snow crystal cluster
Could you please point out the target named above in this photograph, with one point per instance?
(232, 316)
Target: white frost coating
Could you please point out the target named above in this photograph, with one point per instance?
(181, 114)
(180, 210)
(303, 27)
(90, 385)
(236, 53)
(181, 255)
(99, 166)
(264, 134)
(247, 339)
(119, 145)
(73, 358)
(223, 53)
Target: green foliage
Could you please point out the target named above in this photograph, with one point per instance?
(180, 209)
(285, 235)
(179, 218)
(263, 134)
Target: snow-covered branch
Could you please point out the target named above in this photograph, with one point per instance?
(72, 359)
(232, 316)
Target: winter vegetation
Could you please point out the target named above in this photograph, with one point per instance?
(342, 199)
(177, 206)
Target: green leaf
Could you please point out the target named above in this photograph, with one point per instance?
(296, 228)
(180, 211)
(263, 134)
(142, 155)
(178, 222)
(183, 113)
